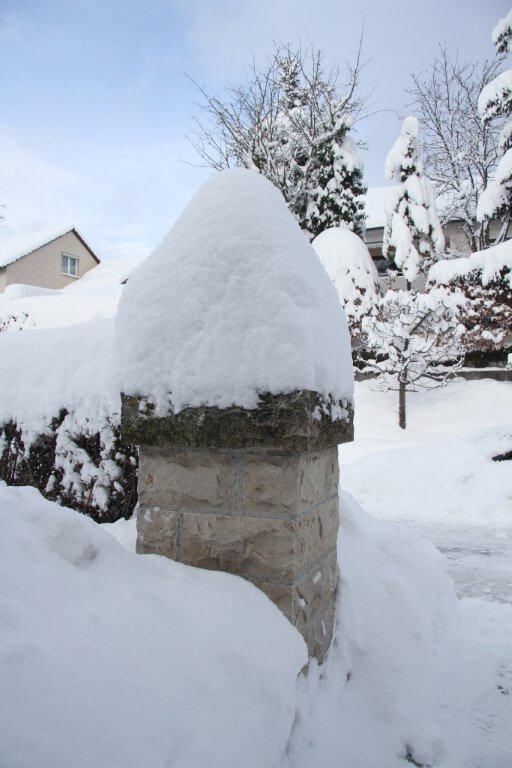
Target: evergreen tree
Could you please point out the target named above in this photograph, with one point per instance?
(413, 237)
(496, 102)
(292, 123)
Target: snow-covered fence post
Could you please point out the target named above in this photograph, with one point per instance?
(234, 360)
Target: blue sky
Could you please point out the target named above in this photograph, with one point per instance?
(96, 105)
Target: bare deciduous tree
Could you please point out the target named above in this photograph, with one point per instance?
(460, 151)
(291, 122)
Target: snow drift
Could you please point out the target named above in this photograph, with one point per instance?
(232, 303)
(111, 659)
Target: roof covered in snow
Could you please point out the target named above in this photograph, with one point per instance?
(17, 246)
(233, 303)
(375, 205)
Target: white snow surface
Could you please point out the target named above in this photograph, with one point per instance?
(350, 267)
(233, 303)
(45, 370)
(96, 295)
(439, 471)
(115, 660)
(375, 206)
(108, 659)
(489, 263)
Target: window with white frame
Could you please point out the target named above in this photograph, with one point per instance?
(69, 265)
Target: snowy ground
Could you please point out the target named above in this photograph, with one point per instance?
(110, 659)
(438, 475)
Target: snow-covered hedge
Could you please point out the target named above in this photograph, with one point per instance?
(485, 278)
(60, 419)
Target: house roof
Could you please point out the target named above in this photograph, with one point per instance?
(17, 246)
(374, 201)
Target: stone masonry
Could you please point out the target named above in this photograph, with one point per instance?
(251, 493)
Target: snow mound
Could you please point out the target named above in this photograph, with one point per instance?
(44, 371)
(350, 267)
(232, 303)
(20, 291)
(95, 295)
(394, 603)
(489, 263)
(111, 659)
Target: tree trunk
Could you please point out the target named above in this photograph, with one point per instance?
(401, 405)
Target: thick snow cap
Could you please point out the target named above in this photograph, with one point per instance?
(233, 303)
(350, 267)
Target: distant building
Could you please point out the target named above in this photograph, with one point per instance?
(49, 259)
(455, 239)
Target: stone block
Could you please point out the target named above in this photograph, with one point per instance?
(157, 532)
(298, 421)
(270, 484)
(186, 480)
(319, 477)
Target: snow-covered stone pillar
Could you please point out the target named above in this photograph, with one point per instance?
(234, 360)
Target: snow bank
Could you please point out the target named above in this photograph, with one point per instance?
(350, 267)
(489, 263)
(111, 659)
(232, 303)
(96, 295)
(44, 371)
(413, 674)
(371, 704)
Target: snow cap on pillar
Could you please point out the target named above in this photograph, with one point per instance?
(233, 303)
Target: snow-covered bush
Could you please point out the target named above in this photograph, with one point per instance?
(291, 122)
(60, 419)
(413, 237)
(415, 340)
(485, 279)
(495, 101)
(348, 263)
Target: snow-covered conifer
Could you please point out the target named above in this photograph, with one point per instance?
(350, 267)
(485, 279)
(496, 102)
(292, 123)
(413, 237)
